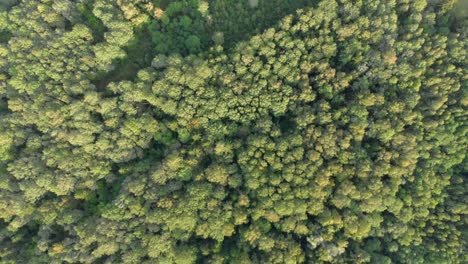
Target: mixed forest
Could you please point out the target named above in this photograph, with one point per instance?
(233, 131)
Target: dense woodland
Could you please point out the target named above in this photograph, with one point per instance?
(233, 131)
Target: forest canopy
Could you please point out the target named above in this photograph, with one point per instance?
(233, 131)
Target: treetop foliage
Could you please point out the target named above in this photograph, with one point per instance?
(219, 131)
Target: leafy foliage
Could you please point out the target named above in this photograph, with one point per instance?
(233, 131)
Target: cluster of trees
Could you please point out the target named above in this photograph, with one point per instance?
(336, 135)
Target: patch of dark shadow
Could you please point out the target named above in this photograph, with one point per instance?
(338, 101)
(68, 25)
(138, 56)
(361, 83)
(372, 147)
(386, 179)
(152, 155)
(205, 162)
(91, 21)
(57, 233)
(229, 244)
(243, 131)
(106, 259)
(5, 36)
(95, 116)
(4, 105)
(106, 192)
(163, 3)
(286, 123)
(457, 19)
(246, 20)
(343, 61)
(6, 5)
(32, 228)
(50, 196)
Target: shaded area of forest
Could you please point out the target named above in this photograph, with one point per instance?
(224, 23)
